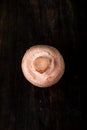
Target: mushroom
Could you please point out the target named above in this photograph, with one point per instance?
(43, 65)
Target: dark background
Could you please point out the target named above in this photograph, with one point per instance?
(23, 23)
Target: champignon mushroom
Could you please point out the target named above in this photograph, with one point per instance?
(43, 65)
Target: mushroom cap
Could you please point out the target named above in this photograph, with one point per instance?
(43, 65)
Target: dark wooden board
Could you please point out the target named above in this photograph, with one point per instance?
(24, 23)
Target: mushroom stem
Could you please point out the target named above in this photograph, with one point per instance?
(41, 64)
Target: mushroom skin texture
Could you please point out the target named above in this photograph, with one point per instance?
(43, 65)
